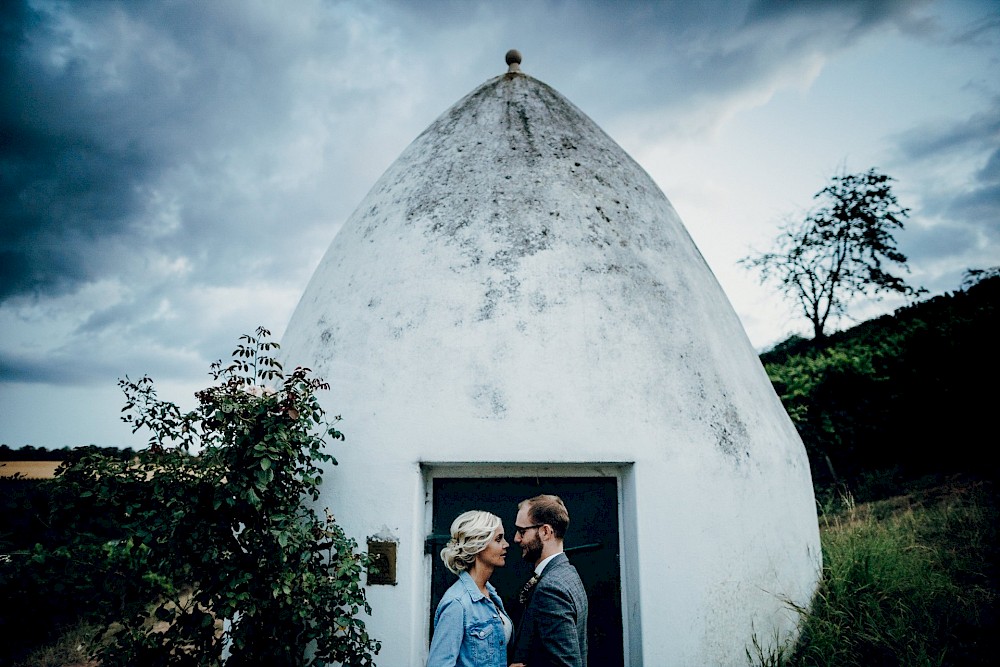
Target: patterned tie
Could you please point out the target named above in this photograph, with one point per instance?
(522, 597)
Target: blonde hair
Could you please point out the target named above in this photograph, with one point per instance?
(471, 532)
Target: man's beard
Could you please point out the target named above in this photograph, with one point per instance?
(532, 551)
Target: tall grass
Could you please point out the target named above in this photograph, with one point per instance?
(68, 650)
(906, 581)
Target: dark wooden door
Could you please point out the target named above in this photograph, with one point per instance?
(591, 544)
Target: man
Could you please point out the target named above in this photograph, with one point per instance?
(553, 628)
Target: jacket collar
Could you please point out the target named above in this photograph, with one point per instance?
(474, 591)
(550, 561)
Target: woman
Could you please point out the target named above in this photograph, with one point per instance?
(471, 627)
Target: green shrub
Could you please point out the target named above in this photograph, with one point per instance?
(205, 549)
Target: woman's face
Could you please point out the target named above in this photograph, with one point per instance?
(495, 553)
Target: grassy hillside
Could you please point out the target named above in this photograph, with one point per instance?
(896, 415)
(907, 580)
(900, 396)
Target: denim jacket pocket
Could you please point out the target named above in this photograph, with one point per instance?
(482, 631)
(483, 641)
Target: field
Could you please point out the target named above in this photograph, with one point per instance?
(29, 469)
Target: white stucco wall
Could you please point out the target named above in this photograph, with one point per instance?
(515, 289)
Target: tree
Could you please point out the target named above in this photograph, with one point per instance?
(216, 554)
(840, 251)
(973, 277)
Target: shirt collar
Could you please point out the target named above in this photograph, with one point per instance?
(541, 564)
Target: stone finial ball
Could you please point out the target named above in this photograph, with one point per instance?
(513, 57)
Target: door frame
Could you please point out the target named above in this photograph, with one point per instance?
(628, 541)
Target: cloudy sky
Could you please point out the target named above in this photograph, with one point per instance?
(172, 172)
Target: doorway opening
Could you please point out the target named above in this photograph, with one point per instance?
(593, 540)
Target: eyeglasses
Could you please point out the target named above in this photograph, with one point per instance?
(520, 531)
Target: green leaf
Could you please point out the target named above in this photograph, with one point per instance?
(222, 518)
(164, 614)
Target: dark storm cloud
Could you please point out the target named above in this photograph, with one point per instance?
(161, 161)
(859, 15)
(671, 54)
(991, 172)
(69, 174)
(981, 206)
(980, 130)
(169, 170)
(973, 139)
(981, 32)
(103, 101)
(65, 366)
(100, 102)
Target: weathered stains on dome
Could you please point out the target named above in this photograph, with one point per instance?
(489, 401)
(513, 170)
(730, 432)
(514, 222)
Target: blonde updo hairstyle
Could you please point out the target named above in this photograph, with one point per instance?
(471, 532)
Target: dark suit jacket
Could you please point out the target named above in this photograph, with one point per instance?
(553, 628)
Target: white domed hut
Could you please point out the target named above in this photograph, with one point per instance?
(516, 308)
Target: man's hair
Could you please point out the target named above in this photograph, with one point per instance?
(549, 509)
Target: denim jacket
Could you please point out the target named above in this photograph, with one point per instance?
(468, 631)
